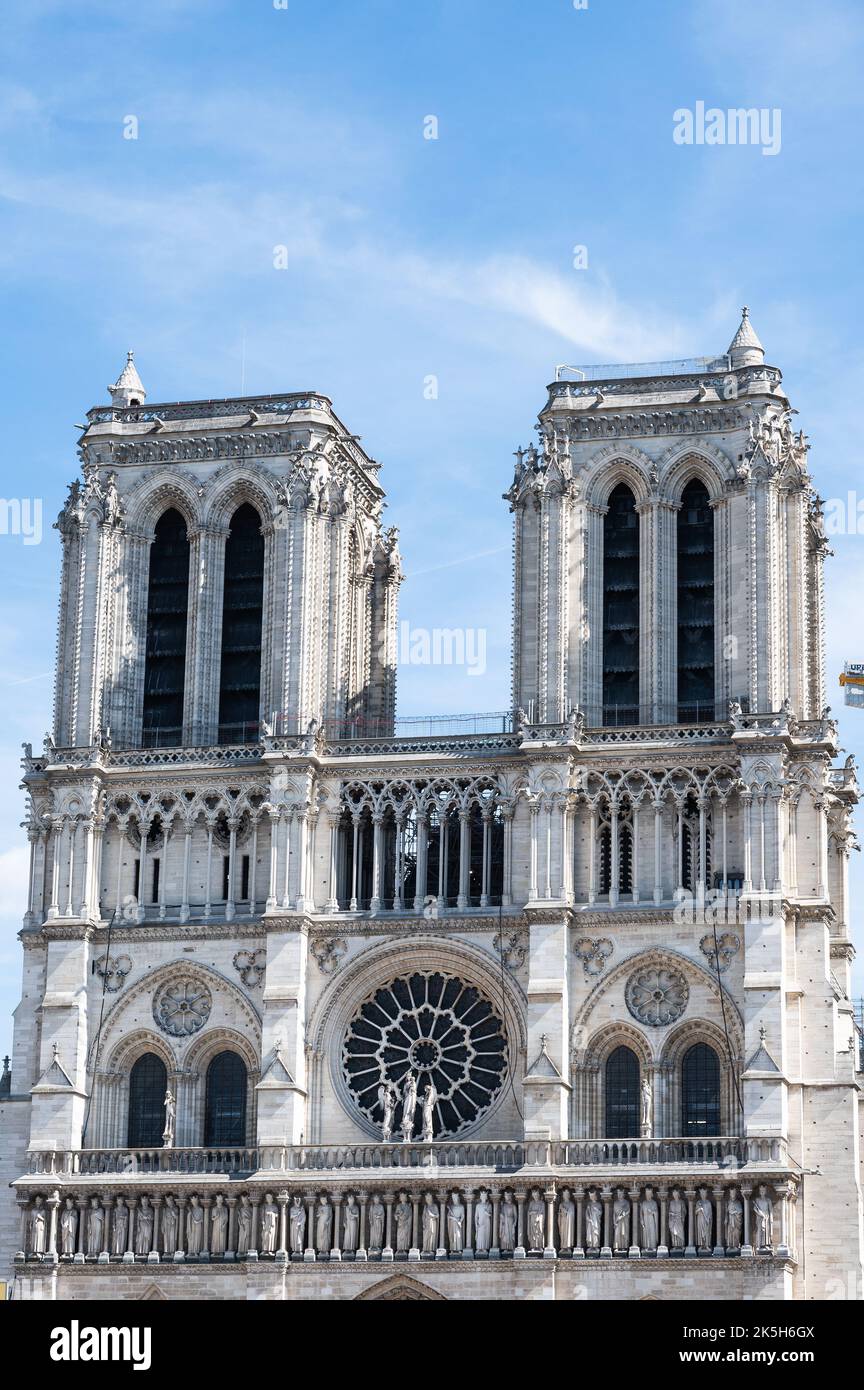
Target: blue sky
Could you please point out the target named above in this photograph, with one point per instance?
(303, 127)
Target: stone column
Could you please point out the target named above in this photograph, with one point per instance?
(387, 1252)
(662, 1234)
(746, 1248)
(187, 852)
(52, 1204)
(422, 861)
(361, 1246)
(549, 1252)
(335, 1248)
(606, 1198)
(282, 1252)
(578, 1248)
(719, 1230)
(690, 1248)
(519, 1252)
(635, 1251)
(464, 857)
(153, 1256)
(658, 851)
(494, 1249)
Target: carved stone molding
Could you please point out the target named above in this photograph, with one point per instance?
(251, 966)
(328, 952)
(182, 1006)
(657, 995)
(113, 971)
(593, 954)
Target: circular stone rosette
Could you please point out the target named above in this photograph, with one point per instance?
(441, 1029)
(182, 1006)
(657, 995)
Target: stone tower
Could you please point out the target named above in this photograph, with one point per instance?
(463, 1015)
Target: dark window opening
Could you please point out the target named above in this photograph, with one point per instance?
(695, 605)
(154, 895)
(621, 609)
(622, 1094)
(242, 612)
(700, 1091)
(135, 891)
(165, 659)
(244, 878)
(148, 1082)
(225, 1101)
(226, 875)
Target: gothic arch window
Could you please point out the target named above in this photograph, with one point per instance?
(242, 612)
(225, 1101)
(621, 608)
(165, 658)
(700, 1091)
(148, 1082)
(695, 605)
(625, 857)
(622, 1094)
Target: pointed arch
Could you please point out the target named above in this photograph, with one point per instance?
(166, 632)
(621, 607)
(242, 628)
(400, 1287)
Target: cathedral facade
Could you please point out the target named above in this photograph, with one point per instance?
(556, 1008)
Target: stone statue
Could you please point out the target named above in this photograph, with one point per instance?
(507, 1222)
(621, 1220)
(95, 1227)
(677, 1220)
(351, 1225)
(593, 1221)
(734, 1220)
(388, 1097)
(170, 1119)
(430, 1224)
(120, 1228)
(482, 1223)
(376, 1223)
(244, 1226)
(456, 1225)
(297, 1223)
(409, 1105)
(68, 1228)
(324, 1226)
(704, 1214)
(144, 1227)
(270, 1224)
(649, 1220)
(169, 1226)
(647, 1108)
(536, 1220)
(219, 1226)
(430, 1100)
(403, 1214)
(37, 1227)
(195, 1227)
(763, 1211)
(566, 1221)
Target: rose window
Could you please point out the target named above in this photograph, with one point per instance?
(657, 995)
(443, 1031)
(182, 1007)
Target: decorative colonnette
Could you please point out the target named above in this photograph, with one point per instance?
(414, 1221)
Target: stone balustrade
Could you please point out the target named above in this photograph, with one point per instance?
(494, 1156)
(411, 1220)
